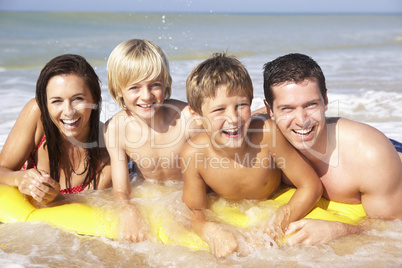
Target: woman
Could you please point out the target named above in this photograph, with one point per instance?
(55, 142)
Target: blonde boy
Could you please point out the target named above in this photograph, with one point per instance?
(151, 129)
(238, 158)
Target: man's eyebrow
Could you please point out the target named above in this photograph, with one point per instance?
(303, 104)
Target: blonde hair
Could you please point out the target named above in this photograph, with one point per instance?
(133, 61)
(218, 70)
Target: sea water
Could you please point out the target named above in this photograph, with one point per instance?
(361, 56)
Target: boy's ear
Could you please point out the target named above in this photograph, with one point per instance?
(196, 116)
(269, 110)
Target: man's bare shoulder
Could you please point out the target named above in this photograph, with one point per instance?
(375, 166)
(360, 134)
(365, 145)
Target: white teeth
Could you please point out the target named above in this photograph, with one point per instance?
(145, 105)
(303, 131)
(70, 122)
(231, 131)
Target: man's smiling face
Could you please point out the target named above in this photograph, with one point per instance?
(299, 111)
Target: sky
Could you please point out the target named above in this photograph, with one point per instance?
(207, 6)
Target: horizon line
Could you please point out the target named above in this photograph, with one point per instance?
(210, 13)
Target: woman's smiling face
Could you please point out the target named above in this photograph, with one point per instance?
(70, 104)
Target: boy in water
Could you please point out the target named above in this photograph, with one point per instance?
(151, 129)
(236, 157)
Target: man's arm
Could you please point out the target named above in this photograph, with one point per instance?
(381, 176)
(377, 173)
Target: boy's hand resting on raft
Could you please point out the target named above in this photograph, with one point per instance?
(39, 185)
(132, 227)
(277, 226)
(221, 242)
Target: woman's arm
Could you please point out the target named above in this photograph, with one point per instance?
(22, 140)
(20, 143)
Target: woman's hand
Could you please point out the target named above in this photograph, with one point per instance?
(39, 185)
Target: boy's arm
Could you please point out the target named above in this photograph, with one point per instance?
(300, 173)
(220, 241)
(131, 225)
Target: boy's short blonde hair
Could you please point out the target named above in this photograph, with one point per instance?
(214, 72)
(133, 61)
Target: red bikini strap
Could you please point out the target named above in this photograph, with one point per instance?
(40, 143)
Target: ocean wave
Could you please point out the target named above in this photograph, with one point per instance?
(369, 106)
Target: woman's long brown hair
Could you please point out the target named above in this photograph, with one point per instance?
(70, 64)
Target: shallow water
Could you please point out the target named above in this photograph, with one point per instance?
(40, 245)
(360, 56)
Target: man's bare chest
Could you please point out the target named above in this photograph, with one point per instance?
(341, 185)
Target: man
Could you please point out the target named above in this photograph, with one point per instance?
(355, 162)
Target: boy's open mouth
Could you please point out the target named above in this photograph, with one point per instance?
(232, 132)
(144, 105)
